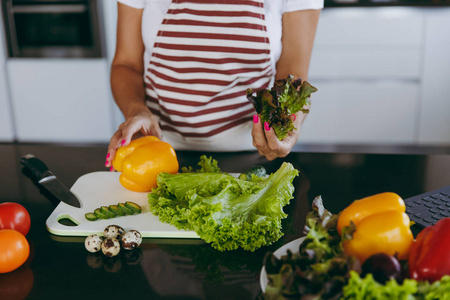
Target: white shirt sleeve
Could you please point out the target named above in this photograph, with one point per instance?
(139, 4)
(293, 5)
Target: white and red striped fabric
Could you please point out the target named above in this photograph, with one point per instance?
(206, 54)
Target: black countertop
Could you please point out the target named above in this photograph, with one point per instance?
(60, 267)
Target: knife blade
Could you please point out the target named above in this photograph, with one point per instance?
(45, 178)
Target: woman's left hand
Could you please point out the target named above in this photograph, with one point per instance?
(266, 141)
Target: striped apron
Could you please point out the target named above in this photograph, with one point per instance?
(206, 54)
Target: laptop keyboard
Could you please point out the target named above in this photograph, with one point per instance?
(428, 208)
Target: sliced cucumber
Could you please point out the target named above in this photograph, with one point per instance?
(105, 210)
(243, 176)
(125, 209)
(112, 211)
(116, 210)
(134, 207)
(91, 216)
(99, 214)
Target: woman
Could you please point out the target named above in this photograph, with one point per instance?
(182, 67)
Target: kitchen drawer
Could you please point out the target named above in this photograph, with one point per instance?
(355, 43)
(381, 112)
(61, 100)
(385, 26)
(359, 62)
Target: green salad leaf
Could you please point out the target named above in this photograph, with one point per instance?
(225, 211)
(286, 97)
(320, 268)
(438, 290)
(367, 289)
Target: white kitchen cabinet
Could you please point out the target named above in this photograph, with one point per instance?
(435, 95)
(110, 24)
(6, 120)
(366, 64)
(61, 100)
(372, 112)
(368, 43)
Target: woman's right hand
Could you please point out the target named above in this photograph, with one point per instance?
(140, 124)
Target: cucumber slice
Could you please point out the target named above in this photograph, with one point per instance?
(125, 209)
(105, 210)
(115, 210)
(134, 207)
(91, 216)
(243, 176)
(99, 214)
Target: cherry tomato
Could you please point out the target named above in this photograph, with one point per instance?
(14, 216)
(14, 250)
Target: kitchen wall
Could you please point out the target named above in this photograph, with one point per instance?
(381, 72)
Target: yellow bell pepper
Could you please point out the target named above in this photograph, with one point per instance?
(380, 226)
(142, 160)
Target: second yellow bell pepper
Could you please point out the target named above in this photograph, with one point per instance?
(142, 160)
(380, 225)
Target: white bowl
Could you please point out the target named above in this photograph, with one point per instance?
(293, 246)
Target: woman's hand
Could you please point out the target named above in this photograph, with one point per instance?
(142, 123)
(266, 141)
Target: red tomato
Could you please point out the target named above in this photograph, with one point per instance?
(14, 216)
(14, 250)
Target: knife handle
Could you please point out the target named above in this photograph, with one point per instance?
(36, 167)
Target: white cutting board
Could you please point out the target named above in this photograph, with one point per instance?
(103, 188)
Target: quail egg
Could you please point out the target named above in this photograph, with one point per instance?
(131, 239)
(93, 243)
(111, 247)
(113, 232)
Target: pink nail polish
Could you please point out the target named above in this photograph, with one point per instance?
(106, 163)
(294, 116)
(111, 169)
(123, 142)
(266, 126)
(108, 155)
(255, 119)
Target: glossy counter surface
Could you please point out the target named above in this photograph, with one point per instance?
(60, 267)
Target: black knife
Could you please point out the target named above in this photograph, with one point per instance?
(45, 178)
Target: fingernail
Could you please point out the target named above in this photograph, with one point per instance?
(266, 126)
(255, 119)
(108, 155)
(294, 116)
(111, 169)
(106, 163)
(123, 142)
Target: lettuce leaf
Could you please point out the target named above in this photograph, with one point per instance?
(410, 289)
(319, 270)
(367, 288)
(286, 97)
(438, 290)
(207, 165)
(225, 211)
